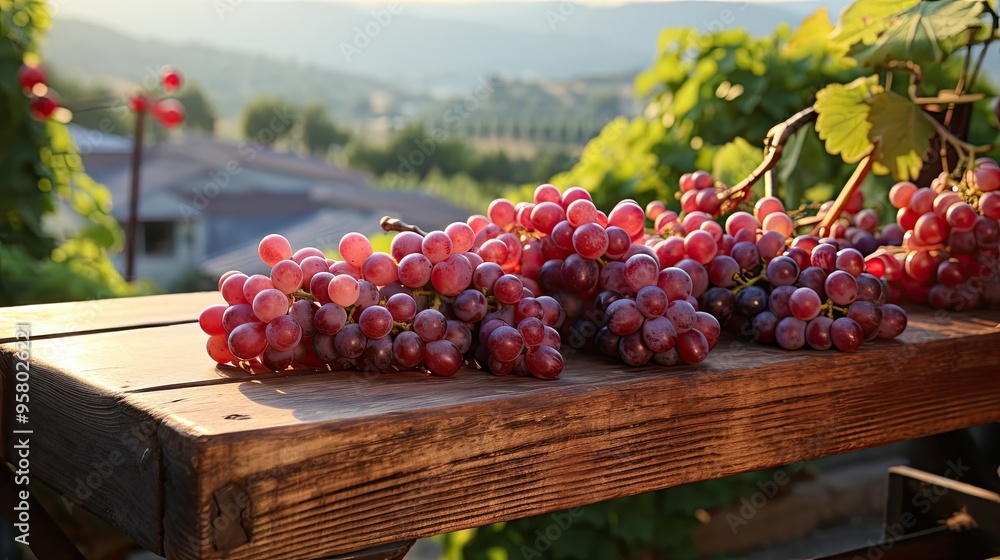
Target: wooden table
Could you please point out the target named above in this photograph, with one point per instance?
(134, 422)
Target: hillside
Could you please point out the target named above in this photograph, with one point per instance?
(435, 45)
(94, 53)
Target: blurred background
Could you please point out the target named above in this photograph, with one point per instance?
(315, 118)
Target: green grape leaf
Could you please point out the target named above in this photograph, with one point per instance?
(734, 161)
(863, 21)
(903, 132)
(920, 33)
(811, 36)
(843, 117)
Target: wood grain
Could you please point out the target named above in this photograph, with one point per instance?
(331, 463)
(51, 319)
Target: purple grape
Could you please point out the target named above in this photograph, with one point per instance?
(640, 271)
(377, 356)
(652, 301)
(408, 349)
(612, 278)
(814, 278)
(667, 359)
(782, 271)
(532, 331)
(470, 306)
(303, 311)
(720, 302)
(659, 334)
(430, 325)
(698, 274)
(790, 333)
(867, 315)
(633, 351)
(778, 301)
(893, 321)
(824, 256)
(459, 334)
(442, 358)
(607, 342)
(675, 282)
(851, 260)
(375, 322)
(747, 256)
(505, 343)
(722, 271)
(403, 307)
(818, 333)
(751, 300)
(708, 326)
(579, 275)
(763, 327)
(804, 304)
(544, 362)
(330, 318)
(350, 341)
(683, 315)
(692, 346)
(624, 317)
(799, 255)
(846, 334)
(841, 287)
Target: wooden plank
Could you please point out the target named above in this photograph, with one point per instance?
(285, 466)
(97, 315)
(334, 463)
(98, 454)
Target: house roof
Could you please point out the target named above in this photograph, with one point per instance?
(197, 163)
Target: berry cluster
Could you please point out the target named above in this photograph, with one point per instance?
(757, 278)
(619, 300)
(418, 306)
(949, 257)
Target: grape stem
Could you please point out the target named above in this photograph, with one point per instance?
(774, 143)
(302, 294)
(744, 282)
(389, 223)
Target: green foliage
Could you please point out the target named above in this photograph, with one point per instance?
(319, 132)
(842, 119)
(910, 36)
(267, 120)
(704, 91)
(920, 33)
(903, 132)
(445, 166)
(56, 227)
(198, 111)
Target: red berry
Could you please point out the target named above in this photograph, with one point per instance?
(30, 76)
(43, 107)
(139, 103)
(170, 77)
(169, 112)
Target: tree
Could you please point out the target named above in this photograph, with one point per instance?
(267, 119)
(198, 111)
(319, 132)
(41, 172)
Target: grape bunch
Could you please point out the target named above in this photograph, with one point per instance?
(757, 278)
(419, 306)
(700, 193)
(949, 241)
(616, 299)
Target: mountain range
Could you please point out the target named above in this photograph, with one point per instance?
(425, 46)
